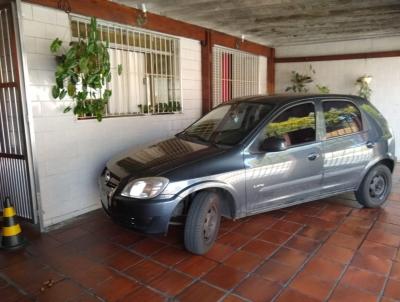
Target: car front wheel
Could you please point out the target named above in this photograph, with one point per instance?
(375, 187)
(202, 222)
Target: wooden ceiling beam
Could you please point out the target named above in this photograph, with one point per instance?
(352, 56)
(115, 12)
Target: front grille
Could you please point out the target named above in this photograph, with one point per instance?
(113, 183)
(114, 180)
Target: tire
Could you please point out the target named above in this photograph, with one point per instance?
(375, 187)
(202, 222)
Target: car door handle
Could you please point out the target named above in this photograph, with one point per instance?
(370, 144)
(313, 156)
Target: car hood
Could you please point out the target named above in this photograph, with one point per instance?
(160, 158)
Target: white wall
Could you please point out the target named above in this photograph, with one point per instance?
(72, 153)
(340, 76)
(343, 47)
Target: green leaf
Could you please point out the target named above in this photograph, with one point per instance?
(82, 95)
(90, 48)
(67, 109)
(83, 64)
(71, 89)
(63, 93)
(119, 69)
(91, 80)
(59, 82)
(55, 92)
(70, 55)
(55, 45)
(107, 94)
(60, 70)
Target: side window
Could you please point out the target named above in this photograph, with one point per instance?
(295, 125)
(341, 118)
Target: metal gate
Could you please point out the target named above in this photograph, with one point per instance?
(235, 74)
(14, 173)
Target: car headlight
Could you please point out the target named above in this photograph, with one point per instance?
(145, 188)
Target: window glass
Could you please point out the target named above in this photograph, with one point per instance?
(295, 125)
(377, 117)
(341, 118)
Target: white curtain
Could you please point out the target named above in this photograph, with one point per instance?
(129, 88)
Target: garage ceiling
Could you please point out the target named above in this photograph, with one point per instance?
(285, 22)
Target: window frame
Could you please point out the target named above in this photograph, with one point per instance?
(176, 60)
(252, 145)
(323, 123)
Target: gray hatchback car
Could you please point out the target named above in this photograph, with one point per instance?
(249, 156)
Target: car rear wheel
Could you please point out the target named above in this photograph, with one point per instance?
(375, 187)
(202, 222)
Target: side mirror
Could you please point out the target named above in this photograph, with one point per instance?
(273, 144)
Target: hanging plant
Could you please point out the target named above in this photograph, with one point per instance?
(83, 71)
(299, 82)
(322, 89)
(364, 90)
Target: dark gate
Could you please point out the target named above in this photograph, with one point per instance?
(14, 170)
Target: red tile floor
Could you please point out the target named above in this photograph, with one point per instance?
(329, 250)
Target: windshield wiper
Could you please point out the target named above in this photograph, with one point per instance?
(195, 136)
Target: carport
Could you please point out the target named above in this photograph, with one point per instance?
(180, 59)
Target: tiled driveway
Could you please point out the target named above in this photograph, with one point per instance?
(325, 250)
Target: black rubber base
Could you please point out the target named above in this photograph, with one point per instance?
(12, 242)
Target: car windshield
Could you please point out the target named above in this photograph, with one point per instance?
(227, 124)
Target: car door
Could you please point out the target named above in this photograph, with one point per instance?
(276, 179)
(346, 149)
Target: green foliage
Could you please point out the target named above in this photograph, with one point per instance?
(170, 107)
(334, 117)
(292, 124)
(299, 82)
(55, 45)
(82, 72)
(322, 89)
(364, 90)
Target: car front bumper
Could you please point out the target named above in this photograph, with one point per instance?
(149, 216)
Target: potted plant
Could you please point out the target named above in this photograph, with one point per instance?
(363, 86)
(83, 71)
(322, 89)
(299, 82)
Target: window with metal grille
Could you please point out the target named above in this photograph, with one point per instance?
(235, 74)
(150, 80)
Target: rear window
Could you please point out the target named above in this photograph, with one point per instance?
(341, 118)
(370, 110)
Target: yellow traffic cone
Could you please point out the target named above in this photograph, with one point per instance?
(12, 234)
